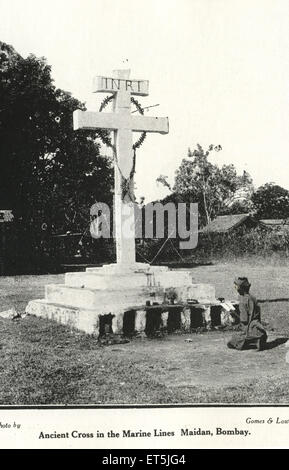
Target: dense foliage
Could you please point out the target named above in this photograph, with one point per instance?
(271, 202)
(50, 175)
(213, 187)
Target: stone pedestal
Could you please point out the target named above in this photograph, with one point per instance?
(115, 289)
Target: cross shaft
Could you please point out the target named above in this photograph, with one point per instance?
(123, 124)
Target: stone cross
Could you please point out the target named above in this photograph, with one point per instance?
(123, 124)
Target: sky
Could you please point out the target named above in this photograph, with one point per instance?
(219, 69)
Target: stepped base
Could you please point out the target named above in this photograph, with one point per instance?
(81, 319)
(141, 320)
(118, 298)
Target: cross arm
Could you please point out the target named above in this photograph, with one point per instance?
(92, 120)
(114, 121)
(150, 124)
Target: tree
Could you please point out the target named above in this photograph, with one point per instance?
(199, 180)
(241, 200)
(50, 175)
(271, 202)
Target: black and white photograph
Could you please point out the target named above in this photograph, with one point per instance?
(144, 209)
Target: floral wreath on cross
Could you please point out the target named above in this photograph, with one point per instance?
(104, 136)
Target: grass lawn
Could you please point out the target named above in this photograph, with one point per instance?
(47, 363)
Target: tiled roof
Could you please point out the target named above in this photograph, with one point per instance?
(224, 223)
(274, 222)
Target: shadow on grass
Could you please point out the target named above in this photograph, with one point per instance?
(276, 342)
(268, 345)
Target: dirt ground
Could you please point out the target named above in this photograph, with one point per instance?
(42, 362)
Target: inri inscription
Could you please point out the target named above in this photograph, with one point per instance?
(111, 85)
